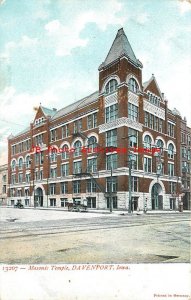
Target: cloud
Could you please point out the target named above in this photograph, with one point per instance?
(2, 2)
(184, 6)
(67, 37)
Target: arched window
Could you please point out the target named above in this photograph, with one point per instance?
(111, 86)
(92, 143)
(77, 147)
(65, 152)
(160, 145)
(170, 151)
(13, 165)
(133, 86)
(28, 162)
(20, 163)
(147, 142)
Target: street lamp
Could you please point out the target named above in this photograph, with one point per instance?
(131, 158)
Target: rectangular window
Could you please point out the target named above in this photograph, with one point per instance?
(64, 170)
(53, 172)
(52, 188)
(111, 113)
(146, 119)
(53, 135)
(148, 164)
(134, 184)
(64, 187)
(65, 131)
(114, 202)
(20, 177)
(77, 167)
(4, 189)
(92, 121)
(63, 202)
(171, 129)
(53, 202)
(172, 186)
(78, 126)
(38, 139)
(111, 184)
(91, 186)
(92, 165)
(170, 169)
(132, 112)
(151, 122)
(134, 162)
(133, 137)
(27, 177)
(156, 123)
(111, 138)
(184, 154)
(160, 125)
(111, 161)
(76, 187)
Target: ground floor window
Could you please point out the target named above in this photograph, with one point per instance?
(134, 201)
(26, 202)
(52, 202)
(114, 202)
(63, 202)
(173, 203)
(91, 202)
(12, 202)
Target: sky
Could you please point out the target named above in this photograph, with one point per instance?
(50, 51)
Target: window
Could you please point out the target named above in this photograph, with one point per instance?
(148, 164)
(63, 202)
(64, 170)
(170, 169)
(12, 192)
(13, 165)
(13, 178)
(92, 165)
(27, 177)
(160, 145)
(4, 189)
(146, 119)
(92, 121)
(65, 152)
(111, 138)
(111, 86)
(151, 121)
(77, 147)
(111, 161)
(91, 202)
(134, 162)
(38, 139)
(52, 188)
(184, 152)
(76, 187)
(53, 172)
(156, 123)
(4, 178)
(20, 163)
(20, 177)
(28, 162)
(77, 167)
(132, 137)
(114, 202)
(172, 186)
(78, 126)
(28, 144)
(53, 156)
(147, 142)
(111, 184)
(160, 125)
(132, 112)
(188, 155)
(53, 135)
(65, 131)
(111, 113)
(134, 184)
(92, 144)
(171, 129)
(133, 86)
(91, 186)
(13, 150)
(53, 202)
(40, 174)
(64, 187)
(171, 151)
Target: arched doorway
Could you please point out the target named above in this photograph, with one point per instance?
(157, 196)
(38, 197)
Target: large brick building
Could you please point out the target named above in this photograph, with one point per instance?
(3, 184)
(121, 136)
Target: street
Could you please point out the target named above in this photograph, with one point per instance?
(31, 236)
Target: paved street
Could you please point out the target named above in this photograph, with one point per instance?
(49, 236)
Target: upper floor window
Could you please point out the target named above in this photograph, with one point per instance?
(111, 184)
(148, 164)
(111, 113)
(147, 142)
(92, 121)
(13, 165)
(65, 152)
(111, 86)
(77, 147)
(171, 151)
(132, 112)
(77, 167)
(53, 135)
(65, 131)
(133, 86)
(133, 137)
(39, 139)
(111, 161)
(160, 145)
(171, 129)
(170, 169)
(92, 165)
(13, 149)
(111, 138)
(28, 162)
(78, 126)
(92, 143)
(20, 163)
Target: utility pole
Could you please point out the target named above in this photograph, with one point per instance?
(110, 192)
(130, 198)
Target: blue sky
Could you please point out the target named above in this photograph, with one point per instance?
(50, 51)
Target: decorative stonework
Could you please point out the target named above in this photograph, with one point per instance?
(119, 123)
(151, 108)
(133, 98)
(111, 99)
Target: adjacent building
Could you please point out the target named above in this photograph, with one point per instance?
(119, 145)
(3, 184)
